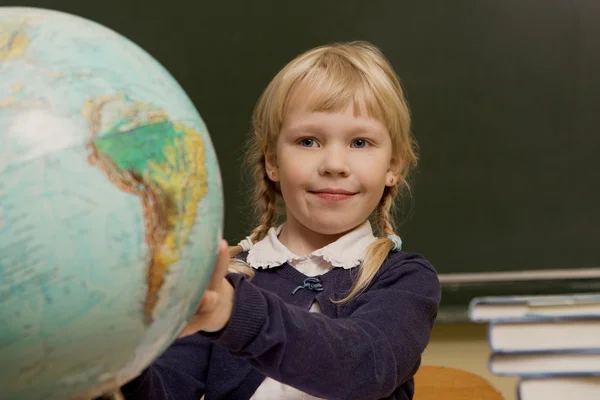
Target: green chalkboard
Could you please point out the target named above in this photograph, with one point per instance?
(504, 96)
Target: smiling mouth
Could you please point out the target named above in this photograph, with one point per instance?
(333, 195)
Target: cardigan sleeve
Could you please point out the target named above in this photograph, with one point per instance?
(182, 367)
(365, 355)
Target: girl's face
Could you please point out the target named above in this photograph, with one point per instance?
(332, 167)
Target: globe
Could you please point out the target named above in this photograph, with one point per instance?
(111, 207)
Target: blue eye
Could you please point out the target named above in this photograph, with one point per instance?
(307, 142)
(360, 143)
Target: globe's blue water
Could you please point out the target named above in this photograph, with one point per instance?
(99, 149)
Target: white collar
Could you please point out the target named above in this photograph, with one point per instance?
(346, 252)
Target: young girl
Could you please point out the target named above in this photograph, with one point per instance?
(316, 307)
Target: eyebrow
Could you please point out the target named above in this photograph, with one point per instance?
(317, 129)
(313, 128)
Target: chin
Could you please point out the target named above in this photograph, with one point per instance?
(331, 227)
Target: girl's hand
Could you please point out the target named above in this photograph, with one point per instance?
(217, 302)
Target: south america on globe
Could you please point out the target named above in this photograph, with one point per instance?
(111, 207)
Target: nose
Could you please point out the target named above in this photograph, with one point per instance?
(334, 162)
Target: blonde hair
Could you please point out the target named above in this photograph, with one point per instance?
(343, 72)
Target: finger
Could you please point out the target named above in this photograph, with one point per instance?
(185, 332)
(209, 302)
(221, 266)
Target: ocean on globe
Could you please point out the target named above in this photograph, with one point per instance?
(111, 207)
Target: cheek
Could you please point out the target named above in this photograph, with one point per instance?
(372, 174)
(293, 176)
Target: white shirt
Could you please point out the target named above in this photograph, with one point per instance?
(346, 252)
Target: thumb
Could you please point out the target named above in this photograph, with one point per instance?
(221, 266)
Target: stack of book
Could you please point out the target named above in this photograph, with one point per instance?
(552, 343)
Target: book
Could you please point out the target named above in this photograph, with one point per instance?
(544, 335)
(536, 364)
(519, 308)
(550, 341)
(576, 388)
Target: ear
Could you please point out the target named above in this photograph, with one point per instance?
(392, 176)
(271, 164)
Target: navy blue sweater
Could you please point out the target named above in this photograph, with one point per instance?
(369, 348)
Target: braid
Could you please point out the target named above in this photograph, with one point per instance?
(385, 222)
(265, 199)
(378, 251)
